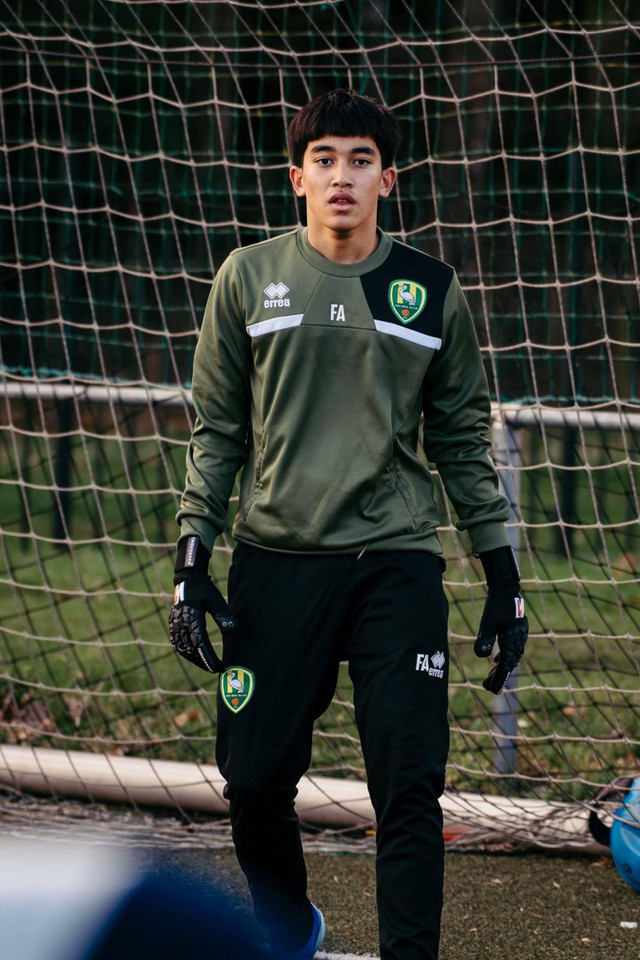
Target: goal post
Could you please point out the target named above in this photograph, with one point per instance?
(139, 144)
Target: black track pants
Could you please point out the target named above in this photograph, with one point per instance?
(386, 613)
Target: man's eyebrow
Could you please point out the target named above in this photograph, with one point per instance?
(327, 148)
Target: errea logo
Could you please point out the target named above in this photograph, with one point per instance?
(435, 669)
(276, 294)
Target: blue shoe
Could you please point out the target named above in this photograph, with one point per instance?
(314, 942)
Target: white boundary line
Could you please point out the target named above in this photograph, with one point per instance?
(345, 956)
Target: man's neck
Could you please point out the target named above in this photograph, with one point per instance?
(342, 247)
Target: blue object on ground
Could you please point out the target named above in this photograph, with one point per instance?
(625, 837)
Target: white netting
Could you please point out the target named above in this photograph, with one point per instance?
(143, 141)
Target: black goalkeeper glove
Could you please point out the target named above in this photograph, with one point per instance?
(195, 596)
(503, 617)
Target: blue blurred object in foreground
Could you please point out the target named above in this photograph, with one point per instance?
(82, 902)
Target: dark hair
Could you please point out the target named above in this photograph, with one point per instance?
(344, 113)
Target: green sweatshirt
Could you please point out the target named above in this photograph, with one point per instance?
(311, 376)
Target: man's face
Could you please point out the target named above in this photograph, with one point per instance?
(342, 179)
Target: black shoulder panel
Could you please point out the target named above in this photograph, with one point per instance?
(409, 288)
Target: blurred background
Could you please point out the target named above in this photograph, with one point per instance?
(140, 143)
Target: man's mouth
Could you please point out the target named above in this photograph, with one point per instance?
(342, 200)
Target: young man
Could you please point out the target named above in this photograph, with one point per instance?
(319, 352)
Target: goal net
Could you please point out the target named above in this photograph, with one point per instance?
(141, 142)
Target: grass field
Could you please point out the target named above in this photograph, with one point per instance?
(502, 906)
(85, 661)
(496, 906)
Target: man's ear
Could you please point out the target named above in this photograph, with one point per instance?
(295, 175)
(389, 177)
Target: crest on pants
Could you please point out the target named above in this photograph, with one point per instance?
(236, 687)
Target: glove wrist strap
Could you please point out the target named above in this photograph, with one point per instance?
(500, 568)
(192, 555)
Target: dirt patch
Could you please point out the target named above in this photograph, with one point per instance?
(531, 905)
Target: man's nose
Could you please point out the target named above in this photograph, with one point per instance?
(342, 174)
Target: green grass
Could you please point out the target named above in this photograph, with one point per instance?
(85, 660)
(86, 663)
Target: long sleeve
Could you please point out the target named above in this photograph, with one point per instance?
(221, 400)
(457, 428)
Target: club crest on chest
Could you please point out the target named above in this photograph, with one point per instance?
(407, 299)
